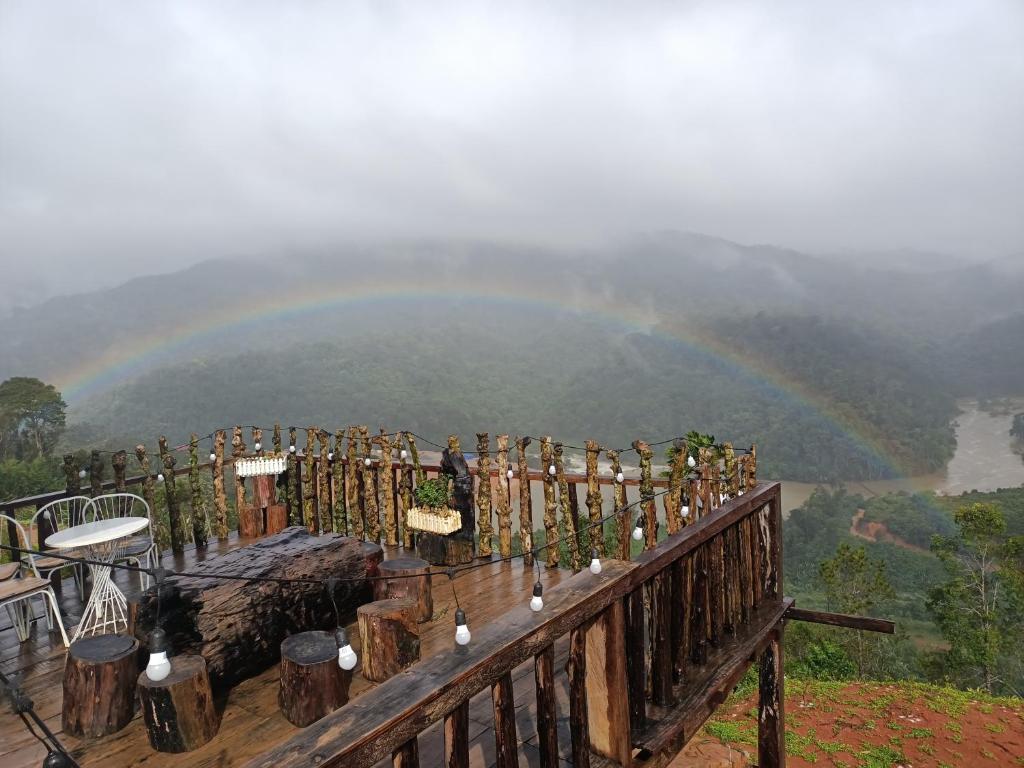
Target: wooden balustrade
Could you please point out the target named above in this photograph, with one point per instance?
(689, 615)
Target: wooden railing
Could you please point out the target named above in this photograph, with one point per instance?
(654, 645)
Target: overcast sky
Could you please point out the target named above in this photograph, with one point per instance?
(138, 135)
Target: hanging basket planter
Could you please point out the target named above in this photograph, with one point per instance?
(440, 520)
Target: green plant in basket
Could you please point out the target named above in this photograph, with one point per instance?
(432, 493)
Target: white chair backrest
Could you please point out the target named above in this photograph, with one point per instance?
(111, 505)
(10, 524)
(56, 516)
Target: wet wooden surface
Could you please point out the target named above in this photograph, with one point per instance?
(252, 721)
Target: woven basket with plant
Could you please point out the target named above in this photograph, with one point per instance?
(432, 512)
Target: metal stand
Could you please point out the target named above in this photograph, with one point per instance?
(107, 606)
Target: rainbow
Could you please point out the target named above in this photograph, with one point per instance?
(130, 358)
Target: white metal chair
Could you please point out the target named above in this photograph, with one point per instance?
(53, 517)
(16, 593)
(140, 549)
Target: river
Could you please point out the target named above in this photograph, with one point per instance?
(983, 461)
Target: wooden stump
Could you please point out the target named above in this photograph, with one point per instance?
(99, 685)
(312, 683)
(444, 550)
(277, 519)
(412, 580)
(250, 522)
(389, 637)
(178, 710)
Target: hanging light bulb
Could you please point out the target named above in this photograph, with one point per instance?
(552, 470)
(537, 602)
(291, 449)
(56, 760)
(81, 474)
(462, 636)
(595, 561)
(367, 461)
(685, 510)
(403, 454)
(638, 531)
(510, 474)
(257, 446)
(691, 462)
(159, 477)
(619, 477)
(346, 656)
(213, 456)
(159, 666)
(330, 455)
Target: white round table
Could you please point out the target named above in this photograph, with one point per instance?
(102, 541)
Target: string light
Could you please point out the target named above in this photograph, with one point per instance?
(595, 562)
(462, 634)
(537, 601)
(638, 532)
(159, 477)
(367, 461)
(346, 656)
(159, 666)
(213, 456)
(81, 474)
(291, 449)
(403, 454)
(619, 477)
(552, 470)
(257, 446)
(56, 760)
(330, 455)
(685, 510)
(510, 474)
(691, 462)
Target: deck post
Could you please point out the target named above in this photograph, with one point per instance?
(771, 716)
(608, 685)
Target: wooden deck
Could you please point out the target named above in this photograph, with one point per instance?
(252, 722)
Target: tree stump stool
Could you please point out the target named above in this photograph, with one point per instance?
(178, 710)
(453, 549)
(389, 637)
(413, 580)
(99, 685)
(312, 683)
(250, 522)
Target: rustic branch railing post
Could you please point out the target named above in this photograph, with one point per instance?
(220, 499)
(200, 524)
(568, 513)
(96, 474)
(160, 532)
(340, 487)
(647, 494)
(594, 500)
(456, 737)
(771, 715)
(386, 480)
(405, 490)
(607, 685)
(505, 742)
(752, 468)
(483, 494)
(579, 723)
(324, 506)
(673, 499)
(369, 496)
(309, 511)
(525, 503)
(177, 524)
(547, 718)
(237, 451)
(292, 481)
(353, 474)
(624, 518)
(504, 502)
(421, 476)
(550, 523)
(119, 463)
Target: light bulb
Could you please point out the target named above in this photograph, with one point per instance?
(346, 656)
(257, 446)
(638, 532)
(619, 477)
(595, 562)
(159, 477)
(537, 602)
(685, 510)
(510, 474)
(462, 636)
(552, 470)
(81, 474)
(213, 457)
(691, 462)
(291, 449)
(159, 665)
(403, 454)
(330, 455)
(367, 461)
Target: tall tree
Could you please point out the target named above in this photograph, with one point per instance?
(978, 609)
(31, 418)
(856, 584)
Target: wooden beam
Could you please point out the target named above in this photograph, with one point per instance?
(842, 620)
(607, 685)
(771, 713)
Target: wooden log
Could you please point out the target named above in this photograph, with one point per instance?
(407, 755)
(237, 452)
(340, 488)
(673, 499)
(160, 532)
(369, 495)
(238, 626)
(309, 485)
(386, 478)
(731, 472)
(119, 463)
(483, 494)
(220, 499)
(506, 744)
(594, 500)
(250, 522)
(647, 494)
(200, 524)
(96, 474)
(312, 683)
(636, 672)
(700, 627)
(444, 550)
(752, 468)
(547, 460)
(178, 527)
(624, 521)
(406, 577)
(865, 623)
(325, 507)
(291, 480)
(276, 519)
(504, 498)
(608, 685)
(547, 717)
(771, 719)
(579, 724)
(277, 438)
(456, 736)
(661, 638)
(405, 491)
(72, 482)
(421, 475)
(352, 475)
(178, 710)
(716, 588)
(99, 685)
(774, 526)
(677, 619)
(389, 637)
(525, 503)
(568, 513)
